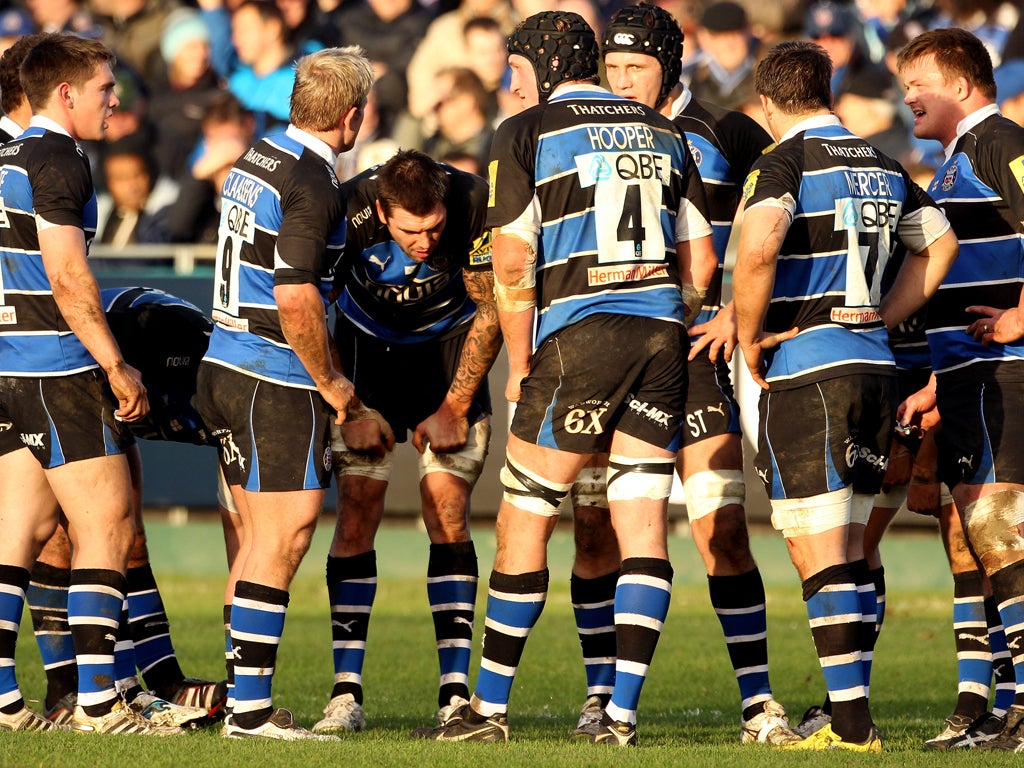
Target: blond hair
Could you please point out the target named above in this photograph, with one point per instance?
(328, 84)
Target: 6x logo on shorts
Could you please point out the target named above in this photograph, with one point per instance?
(585, 418)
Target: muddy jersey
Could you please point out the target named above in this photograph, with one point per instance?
(850, 206)
(605, 187)
(395, 298)
(282, 223)
(724, 144)
(981, 190)
(44, 177)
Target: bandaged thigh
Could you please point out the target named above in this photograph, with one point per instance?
(812, 514)
(631, 478)
(711, 490)
(992, 524)
(466, 463)
(530, 492)
(348, 462)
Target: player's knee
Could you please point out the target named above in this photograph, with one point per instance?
(446, 518)
(530, 492)
(631, 478)
(712, 490)
(992, 524)
(811, 515)
(594, 535)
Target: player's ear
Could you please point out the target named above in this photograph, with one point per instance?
(380, 212)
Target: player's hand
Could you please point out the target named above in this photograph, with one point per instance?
(919, 410)
(366, 431)
(718, 336)
(444, 431)
(514, 385)
(126, 384)
(996, 325)
(899, 468)
(340, 395)
(924, 498)
(753, 352)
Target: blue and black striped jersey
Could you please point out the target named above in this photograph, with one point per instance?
(392, 296)
(45, 175)
(608, 187)
(981, 190)
(282, 222)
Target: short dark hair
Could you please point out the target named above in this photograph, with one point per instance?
(957, 52)
(412, 181)
(466, 81)
(11, 92)
(796, 76)
(57, 59)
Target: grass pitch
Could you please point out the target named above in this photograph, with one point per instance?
(689, 713)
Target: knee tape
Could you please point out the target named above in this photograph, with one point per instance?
(860, 507)
(991, 523)
(591, 488)
(467, 462)
(812, 514)
(631, 478)
(709, 491)
(530, 492)
(894, 498)
(348, 462)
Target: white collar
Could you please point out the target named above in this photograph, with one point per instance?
(48, 124)
(11, 127)
(682, 102)
(319, 146)
(969, 122)
(818, 121)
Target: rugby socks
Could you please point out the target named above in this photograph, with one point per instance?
(127, 682)
(151, 631)
(878, 577)
(739, 602)
(1008, 591)
(13, 584)
(95, 601)
(593, 604)
(257, 623)
(1002, 664)
(48, 603)
(868, 617)
(971, 639)
(451, 589)
(229, 659)
(514, 603)
(834, 613)
(351, 586)
(642, 597)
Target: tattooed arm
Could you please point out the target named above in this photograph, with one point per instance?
(447, 428)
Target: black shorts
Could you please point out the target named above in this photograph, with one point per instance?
(711, 407)
(980, 440)
(272, 437)
(825, 436)
(603, 374)
(62, 418)
(405, 382)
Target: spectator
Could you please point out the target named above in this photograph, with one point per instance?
(724, 72)
(389, 31)
(868, 109)
(14, 23)
(310, 29)
(834, 26)
(133, 28)
(372, 147)
(1010, 90)
(64, 16)
(263, 80)
(461, 112)
(125, 213)
(227, 129)
(186, 88)
(487, 56)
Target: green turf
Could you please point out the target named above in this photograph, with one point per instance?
(689, 712)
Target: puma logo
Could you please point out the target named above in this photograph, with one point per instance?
(719, 409)
(346, 625)
(462, 620)
(374, 259)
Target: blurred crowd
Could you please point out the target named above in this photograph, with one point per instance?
(199, 80)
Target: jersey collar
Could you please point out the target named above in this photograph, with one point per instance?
(818, 121)
(969, 122)
(40, 121)
(681, 102)
(313, 143)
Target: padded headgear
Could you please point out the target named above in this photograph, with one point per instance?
(652, 31)
(560, 45)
